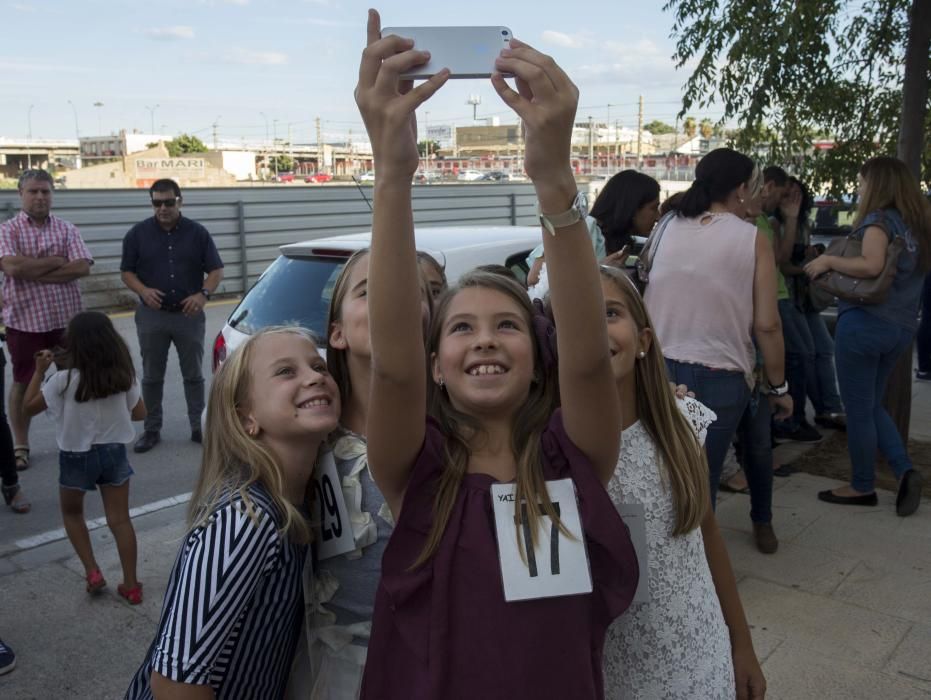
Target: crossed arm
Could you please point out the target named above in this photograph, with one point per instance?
(53, 269)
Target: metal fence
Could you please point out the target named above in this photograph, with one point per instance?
(249, 224)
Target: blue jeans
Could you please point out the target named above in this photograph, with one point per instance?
(724, 392)
(867, 350)
(809, 363)
(755, 454)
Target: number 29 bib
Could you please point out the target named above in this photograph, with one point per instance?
(558, 565)
(329, 514)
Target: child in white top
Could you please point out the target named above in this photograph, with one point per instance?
(685, 635)
(93, 403)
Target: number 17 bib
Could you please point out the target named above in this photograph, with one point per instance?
(558, 565)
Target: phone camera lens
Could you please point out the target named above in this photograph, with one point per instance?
(504, 32)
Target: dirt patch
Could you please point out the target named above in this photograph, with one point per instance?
(829, 458)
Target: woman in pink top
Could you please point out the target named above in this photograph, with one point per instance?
(712, 292)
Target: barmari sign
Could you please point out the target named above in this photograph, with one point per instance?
(158, 167)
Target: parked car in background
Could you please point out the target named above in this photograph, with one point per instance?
(319, 178)
(296, 288)
(367, 176)
(469, 175)
(496, 176)
(284, 177)
(426, 176)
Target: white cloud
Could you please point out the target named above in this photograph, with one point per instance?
(21, 7)
(566, 41)
(246, 57)
(170, 33)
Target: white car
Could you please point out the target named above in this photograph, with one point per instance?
(367, 176)
(470, 175)
(296, 288)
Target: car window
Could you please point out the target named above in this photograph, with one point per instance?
(293, 291)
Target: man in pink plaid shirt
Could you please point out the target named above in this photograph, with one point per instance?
(42, 257)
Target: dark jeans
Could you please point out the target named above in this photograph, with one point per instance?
(867, 350)
(157, 330)
(7, 460)
(924, 330)
(724, 392)
(755, 454)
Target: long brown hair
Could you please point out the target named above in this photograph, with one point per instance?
(890, 185)
(686, 467)
(461, 429)
(100, 356)
(232, 460)
(337, 364)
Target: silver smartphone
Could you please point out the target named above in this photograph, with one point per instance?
(468, 52)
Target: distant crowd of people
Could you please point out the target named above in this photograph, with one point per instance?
(483, 489)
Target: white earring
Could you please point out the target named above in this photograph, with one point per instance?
(441, 383)
(641, 354)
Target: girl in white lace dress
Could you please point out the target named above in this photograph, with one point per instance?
(688, 638)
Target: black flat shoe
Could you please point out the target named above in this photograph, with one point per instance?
(909, 496)
(148, 440)
(868, 499)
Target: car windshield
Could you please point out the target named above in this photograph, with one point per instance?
(293, 291)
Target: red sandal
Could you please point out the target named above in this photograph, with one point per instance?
(95, 582)
(133, 595)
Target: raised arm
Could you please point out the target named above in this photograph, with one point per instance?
(398, 405)
(546, 101)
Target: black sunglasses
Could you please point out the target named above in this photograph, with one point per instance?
(170, 203)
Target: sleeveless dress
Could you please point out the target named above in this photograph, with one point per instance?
(444, 630)
(676, 645)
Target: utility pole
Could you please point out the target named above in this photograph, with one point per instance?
(152, 117)
(640, 136)
(29, 135)
(265, 147)
(520, 145)
(98, 105)
(216, 123)
(319, 145)
(290, 146)
(591, 146)
(352, 165)
(617, 139)
(275, 144)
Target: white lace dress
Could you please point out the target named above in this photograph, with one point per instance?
(677, 644)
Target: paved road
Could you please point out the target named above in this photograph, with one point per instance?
(168, 470)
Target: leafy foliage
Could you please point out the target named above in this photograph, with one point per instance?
(422, 147)
(792, 71)
(690, 127)
(281, 163)
(183, 144)
(657, 127)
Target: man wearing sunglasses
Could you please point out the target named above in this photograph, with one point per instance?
(171, 262)
(42, 257)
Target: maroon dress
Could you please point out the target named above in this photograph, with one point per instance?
(444, 630)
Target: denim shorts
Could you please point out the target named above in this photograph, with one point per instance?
(101, 465)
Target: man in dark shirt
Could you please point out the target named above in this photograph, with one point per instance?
(164, 261)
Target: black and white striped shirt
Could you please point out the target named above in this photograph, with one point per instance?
(233, 608)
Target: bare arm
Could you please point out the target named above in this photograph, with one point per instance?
(869, 263)
(33, 400)
(213, 279)
(24, 267)
(150, 296)
(747, 671)
(139, 411)
(784, 235)
(166, 689)
(546, 101)
(534, 275)
(394, 297)
(71, 270)
(767, 326)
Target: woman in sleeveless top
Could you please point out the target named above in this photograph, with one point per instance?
(712, 291)
(871, 338)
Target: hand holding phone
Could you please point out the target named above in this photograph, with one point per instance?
(468, 52)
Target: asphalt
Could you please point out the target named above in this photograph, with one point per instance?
(842, 610)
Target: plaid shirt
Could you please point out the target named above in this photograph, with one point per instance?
(37, 307)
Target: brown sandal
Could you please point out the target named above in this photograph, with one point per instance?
(13, 495)
(21, 453)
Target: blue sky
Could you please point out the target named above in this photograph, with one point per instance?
(231, 61)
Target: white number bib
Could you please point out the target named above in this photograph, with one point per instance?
(635, 519)
(329, 514)
(558, 565)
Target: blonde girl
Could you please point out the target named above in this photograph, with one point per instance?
(232, 612)
(686, 635)
(452, 620)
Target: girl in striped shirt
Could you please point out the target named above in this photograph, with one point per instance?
(232, 611)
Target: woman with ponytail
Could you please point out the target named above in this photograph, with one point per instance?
(712, 292)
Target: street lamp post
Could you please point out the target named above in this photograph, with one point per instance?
(152, 116)
(77, 131)
(29, 136)
(265, 160)
(275, 144)
(98, 105)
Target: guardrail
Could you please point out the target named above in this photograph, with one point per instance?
(249, 224)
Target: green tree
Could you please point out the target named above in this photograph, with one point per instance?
(183, 144)
(282, 163)
(706, 128)
(656, 127)
(690, 127)
(813, 66)
(422, 147)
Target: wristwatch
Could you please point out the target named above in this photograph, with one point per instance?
(577, 212)
(780, 390)
(206, 293)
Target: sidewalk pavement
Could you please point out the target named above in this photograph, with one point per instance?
(842, 610)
